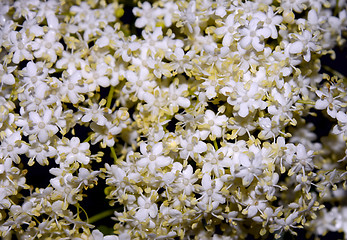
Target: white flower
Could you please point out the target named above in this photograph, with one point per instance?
(191, 146)
(250, 167)
(286, 223)
(47, 10)
(88, 21)
(20, 45)
(216, 162)
(126, 47)
(147, 15)
(153, 42)
(106, 133)
(48, 47)
(147, 208)
(168, 10)
(327, 100)
(297, 5)
(72, 87)
(326, 221)
(70, 61)
(12, 146)
(139, 83)
(152, 157)
(41, 125)
(341, 127)
(178, 97)
(341, 220)
(188, 15)
(254, 205)
(6, 75)
(306, 42)
(253, 36)
(6, 115)
(229, 30)
(95, 113)
(248, 99)
(270, 20)
(34, 74)
(40, 152)
(212, 124)
(74, 151)
(98, 76)
(97, 235)
(3, 12)
(304, 158)
(185, 181)
(270, 128)
(211, 196)
(108, 37)
(120, 179)
(181, 62)
(85, 178)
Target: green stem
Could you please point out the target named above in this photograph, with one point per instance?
(109, 97)
(114, 155)
(100, 216)
(78, 210)
(84, 212)
(336, 10)
(88, 138)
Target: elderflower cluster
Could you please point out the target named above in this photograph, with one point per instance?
(198, 117)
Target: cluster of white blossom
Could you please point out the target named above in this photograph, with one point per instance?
(207, 115)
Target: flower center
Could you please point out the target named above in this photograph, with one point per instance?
(91, 26)
(210, 122)
(152, 157)
(42, 125)
(190, 147)
(9, 148)
(139, 83)
(96, 75)
(38, 101)
(75, 150)
(70, 86)
(20, 46)
(48, 45)
(147, 205)
(252, 34)
(39, 149)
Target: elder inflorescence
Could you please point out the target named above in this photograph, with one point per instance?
(203, 113)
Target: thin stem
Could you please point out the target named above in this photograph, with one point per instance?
(114, 155)
(109, 97)
(336, 10)
(88, 138)
(85, 213)
(78, 210)
(100, 216)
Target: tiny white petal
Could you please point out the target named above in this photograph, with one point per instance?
(296, 47)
